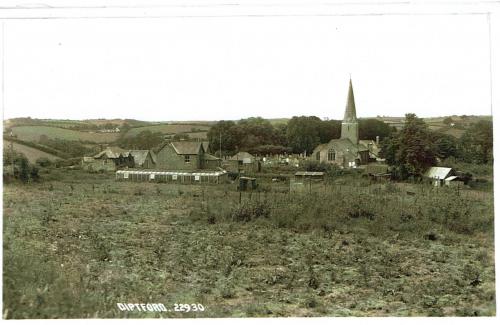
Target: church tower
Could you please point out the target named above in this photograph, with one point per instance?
(350, 123)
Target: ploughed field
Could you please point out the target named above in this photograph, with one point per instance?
(75, 246)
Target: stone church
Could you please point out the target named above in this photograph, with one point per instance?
(348, 151)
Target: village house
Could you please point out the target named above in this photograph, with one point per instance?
(181, 155)
(211, 162)
(143, 159)
(242, 161)
(109, 159)
(348, 151)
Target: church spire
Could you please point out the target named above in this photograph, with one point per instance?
(350, 108)
(349, 128)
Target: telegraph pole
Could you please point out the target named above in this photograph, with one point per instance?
(220, 145)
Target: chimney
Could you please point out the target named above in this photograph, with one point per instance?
(377, 140)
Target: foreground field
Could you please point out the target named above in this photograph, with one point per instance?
(78, 246)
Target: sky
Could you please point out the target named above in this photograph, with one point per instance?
(213, 68)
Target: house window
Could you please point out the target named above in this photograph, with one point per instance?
(331, 155)
(317, 155)
(187, 159)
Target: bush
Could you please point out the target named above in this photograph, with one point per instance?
(250, 211)
(43, 162)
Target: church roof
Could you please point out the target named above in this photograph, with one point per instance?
(350, 108)
(344, 145)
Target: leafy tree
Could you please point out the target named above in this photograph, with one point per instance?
(145, 140)
(303, 133)
(369, 129)
(181, 137)
(411, 151)
(18, 164)
(329, 130)
(476, 144)
(225, 135)
(448, 120)
(446, 145)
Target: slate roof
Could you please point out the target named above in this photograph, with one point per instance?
(113, 153)
(438, 172)
(139, 156)
(205, 145)
(208, 156)
(242, 155)
(371, 146)
(346, 145)
(187, 147)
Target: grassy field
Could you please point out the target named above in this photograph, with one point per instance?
(33, 133)
(168, 129)
(31, 153)
(77, 244)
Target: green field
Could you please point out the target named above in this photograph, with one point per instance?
(33, 133)
(168, 129)
(77, 244)
(31, 153)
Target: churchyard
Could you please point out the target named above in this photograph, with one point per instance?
(77, 244)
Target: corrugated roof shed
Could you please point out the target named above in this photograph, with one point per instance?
(438, 172)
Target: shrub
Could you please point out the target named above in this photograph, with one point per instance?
(250, 211)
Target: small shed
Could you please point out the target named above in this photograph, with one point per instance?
(453, 181)
(247, 183)
(438, 175)
(302, 176)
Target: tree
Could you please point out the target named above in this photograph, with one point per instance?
(145, 140)
(446, 146)
(328, 130)
(303, 133)
(476, 144)
(225, 135)
(448, 120)
(411, 151)
(369, 129)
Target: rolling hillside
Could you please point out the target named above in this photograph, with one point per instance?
(31, 153)
(170, 129)
(33, 133)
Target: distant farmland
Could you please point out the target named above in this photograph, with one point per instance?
(33, 133)
(31, 153)
(169, 129)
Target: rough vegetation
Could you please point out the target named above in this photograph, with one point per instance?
(77, 244)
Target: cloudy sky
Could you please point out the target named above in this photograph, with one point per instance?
(211, 68)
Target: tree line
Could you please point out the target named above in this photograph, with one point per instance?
(415, 148)
(300, 135)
